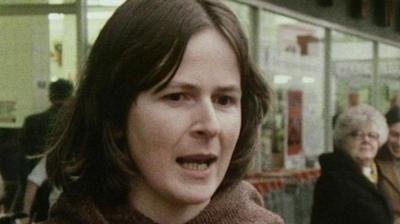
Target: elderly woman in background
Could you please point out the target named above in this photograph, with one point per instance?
(347, 190)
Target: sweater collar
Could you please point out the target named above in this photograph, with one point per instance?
(233, 206)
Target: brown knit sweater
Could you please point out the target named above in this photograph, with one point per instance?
(242, 205)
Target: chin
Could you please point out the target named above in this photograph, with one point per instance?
(194, 199)
(395, 152)
(396, 155)
(196, 195)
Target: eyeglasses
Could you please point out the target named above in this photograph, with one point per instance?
(361, 135)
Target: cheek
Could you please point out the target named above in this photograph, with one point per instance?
(393, 141)
(349, 145)
(233, 129)
(141, 132)
(376, 145)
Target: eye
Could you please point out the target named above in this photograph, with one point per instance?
(373, 135)
(224, 100)
(175, 97)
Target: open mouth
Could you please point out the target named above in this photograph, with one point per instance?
(197, 162)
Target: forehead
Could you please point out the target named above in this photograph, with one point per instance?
(364, 126)
(208, 58)
(209, 44)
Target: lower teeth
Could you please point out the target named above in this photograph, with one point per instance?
(195, 166)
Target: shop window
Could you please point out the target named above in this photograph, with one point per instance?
(105, 2)
(352, 71)
(96, 20)
(242, 11)
(292, 57)
(389, 76)
(35, 51)
(63, 48)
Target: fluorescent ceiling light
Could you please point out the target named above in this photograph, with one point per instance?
(56, 16)
(281, 79)
(307, 79)
(106, 2)
(99, 15)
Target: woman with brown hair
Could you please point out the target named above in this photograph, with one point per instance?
(165, 121)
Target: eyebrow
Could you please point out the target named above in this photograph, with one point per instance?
(189, 86)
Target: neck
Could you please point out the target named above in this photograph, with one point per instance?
(370, 172)
(161, 209)
(365, 163)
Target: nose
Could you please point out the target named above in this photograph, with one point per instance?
(365, 138)
(206, 122)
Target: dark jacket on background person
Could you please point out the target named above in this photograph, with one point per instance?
(9, 164)
(242, 205)
(34, 134)
(33, 139)
(343, 195)
(389, 179)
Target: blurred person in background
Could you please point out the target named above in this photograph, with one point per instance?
(164, 123)
(347, 190)
(395, 100)
(10, 159)
(35, 134)
(388, 161)
(353, 99)
(5, 217)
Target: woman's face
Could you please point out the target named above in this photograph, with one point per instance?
(182, 138)
(362, 144)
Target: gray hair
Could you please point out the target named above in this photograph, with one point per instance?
(354, 118)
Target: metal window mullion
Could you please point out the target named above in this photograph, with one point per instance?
(255, 32)
(254, 40)
(375, 73)
(82, 33)
(327, 112)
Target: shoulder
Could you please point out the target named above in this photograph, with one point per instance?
(239, 205)
(254, 205)
(35, 118)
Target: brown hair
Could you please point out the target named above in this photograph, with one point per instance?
(141, 46)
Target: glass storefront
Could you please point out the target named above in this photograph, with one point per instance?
(35, 51)
(389, 77)
(243, 12)
(292, 54)
(352, 71)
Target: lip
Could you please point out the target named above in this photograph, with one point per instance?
(208, 158)
(197, 158)
(196, 174)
